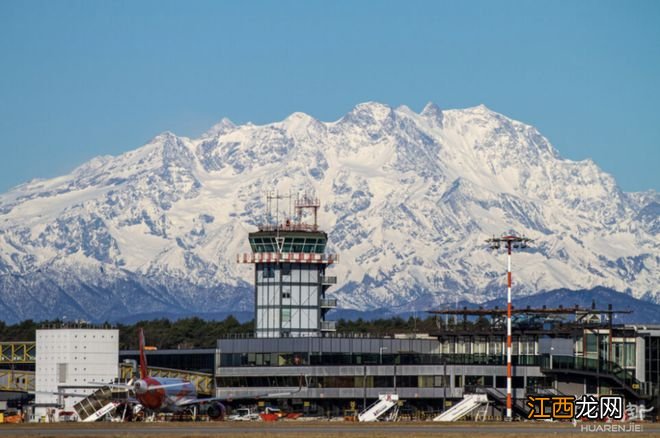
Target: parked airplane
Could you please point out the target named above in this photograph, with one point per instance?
(158, 394)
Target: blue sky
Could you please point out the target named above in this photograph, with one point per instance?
(85, 78)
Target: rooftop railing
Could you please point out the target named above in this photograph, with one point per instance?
(328, 325)
(326, 280)
(329, 303)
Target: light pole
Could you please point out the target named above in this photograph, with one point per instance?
(444, 382)
(511, 241)
(380, 353)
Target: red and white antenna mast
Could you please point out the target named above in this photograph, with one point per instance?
(511, 241)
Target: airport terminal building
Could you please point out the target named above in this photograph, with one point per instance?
(296, 353)
(342, 372)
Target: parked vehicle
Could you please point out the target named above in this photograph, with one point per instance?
(243, 414)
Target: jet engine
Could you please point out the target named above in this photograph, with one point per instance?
(140, 386)
(216, 411)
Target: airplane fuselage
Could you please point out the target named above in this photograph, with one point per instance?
(165, 399)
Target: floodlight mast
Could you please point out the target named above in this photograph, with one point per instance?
(511, 241)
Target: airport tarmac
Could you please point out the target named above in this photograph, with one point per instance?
(306, 429)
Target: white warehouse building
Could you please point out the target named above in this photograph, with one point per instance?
(70, 360)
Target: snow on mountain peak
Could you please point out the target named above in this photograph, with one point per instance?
(407, 200)
(369, 113)
(222, 127)
(432, 111)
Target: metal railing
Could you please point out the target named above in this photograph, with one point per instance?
(287, 257)
(325, 280)
(292, 226)
(329, 302)
(328, 325)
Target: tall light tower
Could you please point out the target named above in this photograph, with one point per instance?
(510, 241)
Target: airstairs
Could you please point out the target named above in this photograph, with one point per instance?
(518, 405)
(95, 406)
(469, 404)
(383, 405)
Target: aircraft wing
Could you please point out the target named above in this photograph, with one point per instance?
(189, 402)
(201, 401)
(60, 393)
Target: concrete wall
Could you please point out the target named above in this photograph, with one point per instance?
(69, 358)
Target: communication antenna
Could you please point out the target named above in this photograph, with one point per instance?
(307, 202)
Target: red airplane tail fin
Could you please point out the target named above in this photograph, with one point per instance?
(143, 358)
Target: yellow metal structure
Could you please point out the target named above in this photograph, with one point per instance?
(203, 381)
(17, 352)
(16, 380)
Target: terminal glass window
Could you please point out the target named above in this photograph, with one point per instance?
(591, 344)
(495, 347)
(629, 354)
(441, 381)
(653, 359)
(298, 244)
(286, 292)
(474, 380)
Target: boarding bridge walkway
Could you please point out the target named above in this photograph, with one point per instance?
(17, 352)
(621, 378)
(101, 402)
(203, 381)
(17, 378)
(469, 404)
(383, 405)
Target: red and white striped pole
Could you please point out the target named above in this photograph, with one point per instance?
(511, 242)
(508, 336)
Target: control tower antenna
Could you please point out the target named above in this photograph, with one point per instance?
(308, 202)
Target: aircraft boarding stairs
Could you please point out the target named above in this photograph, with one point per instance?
(469, 404)
(101, 402)
(384, 404)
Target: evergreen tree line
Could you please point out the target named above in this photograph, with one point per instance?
(198, 333)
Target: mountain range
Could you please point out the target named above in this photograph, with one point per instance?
(407, 200)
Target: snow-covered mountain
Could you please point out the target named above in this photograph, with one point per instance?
(408, 200)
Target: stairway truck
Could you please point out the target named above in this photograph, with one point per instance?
(385, 403)
(469, 404)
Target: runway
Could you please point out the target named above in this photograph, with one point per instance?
(300, 429)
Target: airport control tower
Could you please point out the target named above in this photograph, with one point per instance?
(290, 284)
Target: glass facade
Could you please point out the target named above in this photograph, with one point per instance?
(652, 363)
(314, 243)
(288, 299)
(389, 381)
(189, 360)
(303, 358)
